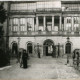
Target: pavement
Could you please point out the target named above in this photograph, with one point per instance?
(41, 68)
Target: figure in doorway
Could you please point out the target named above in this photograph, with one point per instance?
(53, 52)
(68, 51)
(58, 50)
(38, 51)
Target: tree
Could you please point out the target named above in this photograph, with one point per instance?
(3, 55)
(2, 13)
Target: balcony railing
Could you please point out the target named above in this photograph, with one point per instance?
(48, 9)
(72, 9)
(36, 10)
(45, 33)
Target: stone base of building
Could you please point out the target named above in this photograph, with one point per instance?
(45, 45)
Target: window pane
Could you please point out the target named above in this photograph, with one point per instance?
(68, 25)
(29, 24)
(15, 24)
(76, 23)
(22, 24)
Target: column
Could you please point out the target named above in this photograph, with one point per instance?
(65, 21)
(60, 23)
(19, 28)
(33, 24)
(72, 23)
(11, 27)
(52, 23)
(12, 24)
(26, 24)
(44, 22)
(37, 24)
(79, 23)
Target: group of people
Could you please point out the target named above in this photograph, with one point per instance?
(76, 57)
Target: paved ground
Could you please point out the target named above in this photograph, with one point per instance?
(44, 68)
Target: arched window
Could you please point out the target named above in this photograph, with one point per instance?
(68, 48)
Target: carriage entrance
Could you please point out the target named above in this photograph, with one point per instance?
(48, 49)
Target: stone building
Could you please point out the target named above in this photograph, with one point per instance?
(44, 23)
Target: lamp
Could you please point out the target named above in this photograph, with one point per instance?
(68, 39)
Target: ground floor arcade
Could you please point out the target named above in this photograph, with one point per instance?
(46, 45)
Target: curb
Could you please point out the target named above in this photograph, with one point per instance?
(5, 67)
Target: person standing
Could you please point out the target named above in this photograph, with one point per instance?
(38, 51)
(77, 56)
(24, 59)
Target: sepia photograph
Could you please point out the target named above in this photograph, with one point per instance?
(40, 39)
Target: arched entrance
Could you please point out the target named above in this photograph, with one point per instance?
(68, 48)
(48, 49)
(14, 49)
(29, 48)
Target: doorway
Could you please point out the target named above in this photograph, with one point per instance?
(29, 48)
(14, 49)
(48, 47)
(68, 48)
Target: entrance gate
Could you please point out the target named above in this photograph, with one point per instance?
(48, 47)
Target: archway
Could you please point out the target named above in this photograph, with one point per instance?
(48, 47)
(14, 49)
(68, 48)
(29, 48)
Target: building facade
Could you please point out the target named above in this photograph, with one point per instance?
(44, 24)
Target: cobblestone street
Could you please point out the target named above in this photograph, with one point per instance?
(44, 68)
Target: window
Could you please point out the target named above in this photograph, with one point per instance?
(76, 23)
(69, 20)
(31, 6)
(40, 21)
(56, 23)
(22, 24)
(76, 20)
(68, 25)
(15, 24)
(10, 24)
(19, 6)
(29, 24)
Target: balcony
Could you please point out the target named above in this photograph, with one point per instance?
(71, 9)
(44, 33)
(48, 10)
(22, 12)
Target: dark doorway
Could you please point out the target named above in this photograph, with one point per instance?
(68, 48)
(14, 49)
(29, 48)
(48, 49)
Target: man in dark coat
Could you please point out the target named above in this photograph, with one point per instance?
(24, 58)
